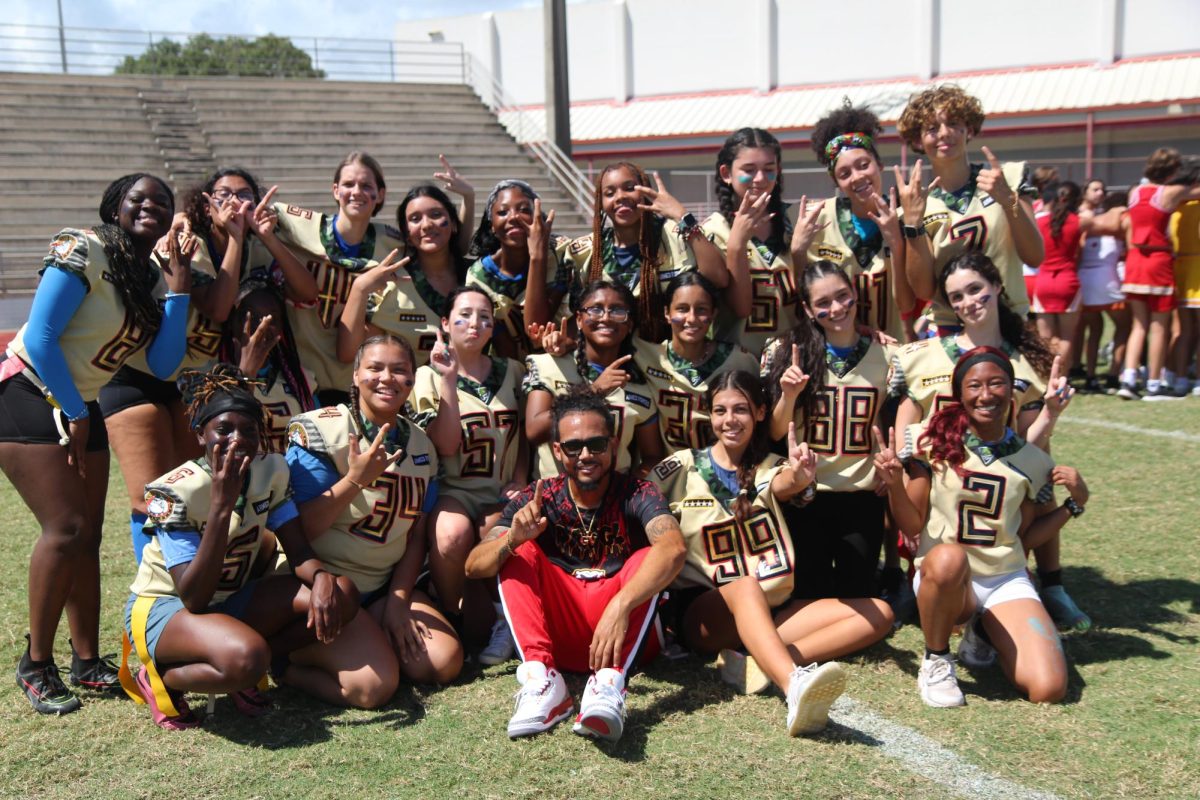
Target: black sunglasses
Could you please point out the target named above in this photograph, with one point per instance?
(595, 445)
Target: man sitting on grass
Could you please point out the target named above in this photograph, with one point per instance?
(582, 558)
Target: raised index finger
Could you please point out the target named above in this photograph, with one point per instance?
(1055, 371)
(878, 436)
(658, 182)
(795, 355)
(991, 157)
(266, 201)
(537, 496)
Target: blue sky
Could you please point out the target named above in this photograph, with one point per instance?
(365, 18)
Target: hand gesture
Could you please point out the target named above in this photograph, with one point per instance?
(749, 216)
(367, 465)
(178, 269)
(913, 194)
(806, 225)
(1073, 481)
(529, 522)
(553, 339)
(376, 278)
(455, 182)
(614, 376)
(263, 219)
(801, 459)
(228, 474)
(407, 633)
(324, 612)
(888, 468)
(794, 378)
(512, 489)
(77, 437)
(992, 181)
(257, 344)
(228, 215)
(442, 358)
(1058, 391)
(539, 229)
(660, 201)
(609, 638)
(886, 218)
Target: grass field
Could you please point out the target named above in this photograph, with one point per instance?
(1129, 727)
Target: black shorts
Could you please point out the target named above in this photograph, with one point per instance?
(837, 539)
(130, 387)
(26, 416)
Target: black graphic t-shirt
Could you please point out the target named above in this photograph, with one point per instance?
(593, 543)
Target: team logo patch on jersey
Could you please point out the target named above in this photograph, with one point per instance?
(63, 245)
(1021, 385)
(297, 435)
(935, 379)
(698, 502)
(637, 399)
(588, 574)
(262, 505)
(159, 506)
(830, 253)
(658, 373)
(936, 218)
(421, 459)
(667, 275)
(561, 386)
(667, 468)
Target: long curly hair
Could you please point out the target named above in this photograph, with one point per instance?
(751, 387)
(195, 207)
(923, 108)
(947, 429)
(649, 299)
(727, 200)
(133, 277)
(1019, 334)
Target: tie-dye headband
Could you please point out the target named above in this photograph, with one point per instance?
(845, 141)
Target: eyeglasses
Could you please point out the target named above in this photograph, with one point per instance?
(595, 445)
(616, 313)
(221, 195)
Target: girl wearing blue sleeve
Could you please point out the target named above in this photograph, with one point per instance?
(94, 308)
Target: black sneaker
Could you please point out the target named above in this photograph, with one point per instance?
(1128, 391)
(44, 688)
(1093, 386)
(98, 674)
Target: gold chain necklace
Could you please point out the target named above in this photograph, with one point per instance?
(588, 539)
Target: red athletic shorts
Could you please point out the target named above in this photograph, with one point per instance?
(553, 615)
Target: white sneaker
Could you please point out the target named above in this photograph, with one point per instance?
(601, 710)
(541, 703)
(811, 691)
(938, 683)
(500, 646)
(973, 650)
(742, 672)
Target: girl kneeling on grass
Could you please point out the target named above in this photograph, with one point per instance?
(198, 617)
(737, 580)
(981, 497)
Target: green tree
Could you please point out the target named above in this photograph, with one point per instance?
(268, 56)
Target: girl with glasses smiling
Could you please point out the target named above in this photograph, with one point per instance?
(603, 358)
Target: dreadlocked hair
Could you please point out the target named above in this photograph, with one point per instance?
(1062, 199)
(808, 335)
(946, 431)
(284, 357)
(195, 207)
(579, 302)
(133, 278)
(650, 228)
(383, 338)
(847, 119)
(728, 201)
(199, 388)
(1016, 332)
(437, 195)
(751, 387)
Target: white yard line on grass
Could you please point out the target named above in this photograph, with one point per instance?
(1181, 436)
(925, 757)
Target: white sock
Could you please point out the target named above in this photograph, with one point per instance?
(614, 676)
(530, 670)
(1129, 376)
(1153, 385)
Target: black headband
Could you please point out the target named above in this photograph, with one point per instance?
(980, 355)
(221, 402)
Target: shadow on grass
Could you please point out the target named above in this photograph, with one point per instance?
(1141, 606)
(298, 720)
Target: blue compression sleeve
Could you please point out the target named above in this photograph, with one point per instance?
(311, 475)
(137, 534)
(170, 343)
(58, 297)
(282, 515)
(178, 547)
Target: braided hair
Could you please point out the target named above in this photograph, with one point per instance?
(437, 195)
(220, 389)
(485, 242)
(383, 338)
(649, 299)
(727, 199)
(196, 207)
(810, 337)
(284, 357)
(577, 303)
(133, 278)
(751, 387)
(1019, 334)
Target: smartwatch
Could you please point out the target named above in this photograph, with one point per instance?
(911, 231)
